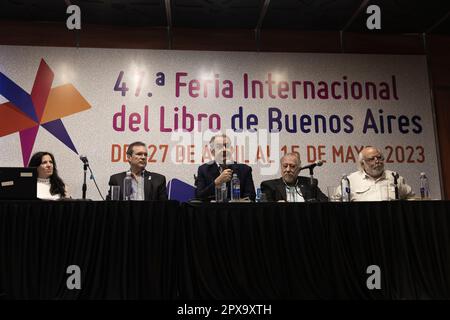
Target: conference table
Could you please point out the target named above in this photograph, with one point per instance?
(178, 251)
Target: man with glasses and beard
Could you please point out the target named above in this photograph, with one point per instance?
(146, 185)
(368, 182)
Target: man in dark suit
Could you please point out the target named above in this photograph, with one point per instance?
(212, 174)
(145, 185)
(291, 187)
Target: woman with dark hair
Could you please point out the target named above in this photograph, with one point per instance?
(49, 186)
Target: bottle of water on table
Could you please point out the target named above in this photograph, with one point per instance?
(235, 188)
(424, 187)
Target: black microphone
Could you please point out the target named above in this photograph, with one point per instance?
(396, 176)
(312, 165)
(224, 157)
(84, 159)
(224, 165)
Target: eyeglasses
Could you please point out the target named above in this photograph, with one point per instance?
(379, 158)
(221, 146)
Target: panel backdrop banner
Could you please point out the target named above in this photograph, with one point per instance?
(94, 102)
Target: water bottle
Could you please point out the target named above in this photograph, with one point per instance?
(221, 193)
(258, 195)
(224, 192)
(424, 187)
(235, 188)
(127, 186)
(345, 188)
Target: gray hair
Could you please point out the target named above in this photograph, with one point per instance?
(292, 154)
(361, 157)
(211, 141)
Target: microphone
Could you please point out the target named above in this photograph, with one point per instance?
(312, 181)
(396, 176)
(224, 165)
(312, 165)
(84, 159)
(85, 167)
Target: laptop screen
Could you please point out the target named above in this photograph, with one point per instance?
(18, 183)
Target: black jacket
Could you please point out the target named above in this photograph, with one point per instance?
(208, 172)
(154, 185)
(275, 189)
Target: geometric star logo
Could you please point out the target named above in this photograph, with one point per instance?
(45, 106)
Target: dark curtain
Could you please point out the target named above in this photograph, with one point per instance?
(125, 250)
(315, 250)
(161, 250)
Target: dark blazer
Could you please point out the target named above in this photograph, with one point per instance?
(154, 185)
(208, 172)
(275, 189)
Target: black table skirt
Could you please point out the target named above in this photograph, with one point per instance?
(124, 250)
(316, 251)
(163, 250)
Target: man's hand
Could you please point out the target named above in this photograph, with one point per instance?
(224, 177)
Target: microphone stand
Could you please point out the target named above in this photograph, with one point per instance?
(396, 175)
(313, 187)
(85, 166)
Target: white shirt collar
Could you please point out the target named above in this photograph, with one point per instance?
(366, 176)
